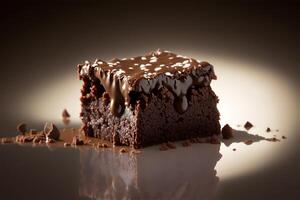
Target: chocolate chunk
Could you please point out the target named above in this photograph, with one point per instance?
(6, 140)
(28, 138)
(49, 140)
(227, 132)
(248, 125)
(51, 131)
(234, 149)
(283, 137)
(77, 140)
(39, 138)
(20, 138)
(248, 142)
(104, 145)
(22, 128)
(268, 130)
(65, 114)
(123, 150)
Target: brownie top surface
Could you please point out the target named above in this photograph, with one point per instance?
(146, 73)
(148, 66)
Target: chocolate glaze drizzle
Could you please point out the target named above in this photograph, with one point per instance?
(145, 73)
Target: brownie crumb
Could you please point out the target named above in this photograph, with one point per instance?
(66, 144)
(163, 147)
(248, 125)
(227, 132)
(6, 140)
(77, 141)
(123, 150)
(283, 137)
(186, 143)
(171, 145)
(49, 140)
(28, 138)
(248, 142)
(39, 138)
(33, 132)
(22, 128)
(234, 149)
(51, 131)
(65, 114)
(268, 130)
(104, 145)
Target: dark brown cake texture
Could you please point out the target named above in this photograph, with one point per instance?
(146, 100)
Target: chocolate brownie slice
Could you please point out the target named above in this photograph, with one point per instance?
(149, 99)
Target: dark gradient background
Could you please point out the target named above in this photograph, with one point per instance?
(40, 41)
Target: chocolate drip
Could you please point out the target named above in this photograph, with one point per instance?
(120, 77)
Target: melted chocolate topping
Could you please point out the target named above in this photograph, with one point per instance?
(146, 73)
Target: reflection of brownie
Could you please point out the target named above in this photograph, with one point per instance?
(179, 174)
(148, 99)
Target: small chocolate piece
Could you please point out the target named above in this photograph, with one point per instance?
(283, 137)
(248, 142)
(51, 131)
(77, 140)
(22, 128)
(28, 138)
(227, 132)
(277, 130)
(268, 130)
(104, 145)
(234, 149)
(33, 132)
(248, 125)
(66, 144)
(49, 140)
(6, 140)
(65, 114)
(39, 138)
(20, 138)
(123, 150)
